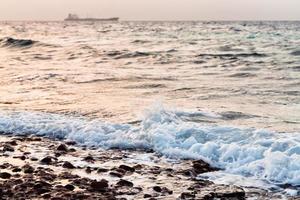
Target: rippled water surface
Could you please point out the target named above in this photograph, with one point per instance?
(230, 91)
(248, 73)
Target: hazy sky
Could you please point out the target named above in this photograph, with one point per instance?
(152, 9)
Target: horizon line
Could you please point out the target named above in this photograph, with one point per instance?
(162, 20)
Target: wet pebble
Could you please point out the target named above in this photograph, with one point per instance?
(68, 165)
(27, 169)
(62, 148)
(5, 175)
(47, 160)
(70, 187)
(99, 186)
(127, 168)
(8, 148)
(126, 183)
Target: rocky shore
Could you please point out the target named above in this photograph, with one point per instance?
(40, 168)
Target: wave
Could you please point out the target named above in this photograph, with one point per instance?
(257, 154)
(17, 43)
(233, 55)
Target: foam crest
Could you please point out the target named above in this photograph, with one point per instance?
(257, 154)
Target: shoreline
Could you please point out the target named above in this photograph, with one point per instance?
(40, 168)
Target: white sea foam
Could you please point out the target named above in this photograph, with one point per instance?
(257, 154)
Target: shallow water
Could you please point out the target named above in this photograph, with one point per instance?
(247, 71)
(225, 81)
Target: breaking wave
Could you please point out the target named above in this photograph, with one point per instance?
(258, 154)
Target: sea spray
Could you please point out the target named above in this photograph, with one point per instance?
(258, 154)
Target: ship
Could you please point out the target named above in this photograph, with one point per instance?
(74, 17)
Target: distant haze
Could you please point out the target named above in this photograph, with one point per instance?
(152, 9)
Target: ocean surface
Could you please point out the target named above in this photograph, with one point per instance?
(225, 92)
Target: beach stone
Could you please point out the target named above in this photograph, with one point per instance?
(5, 166)
(72, 150)
(187, 195)
(68, 175)
(68, 165)
(9, 148)
(102, 170)
(5, 175)
(34, 159)
(34, 139)
(13, 143)
(62, 147)
(42, 187)
(200, 167)
(163, 190)
(47, 160)
(23, 157)
(88, 170)
(27, 169)
(45, 175)
(116, 174)
(126, 183)
(70, 143)
(147, 196)
(16, 169)
(99, 186)
(127, 168)
(138, 167)
(46, 196)
(57, 154)
(70, 187)
(89, 158)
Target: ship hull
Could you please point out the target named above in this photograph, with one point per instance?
(93, 19)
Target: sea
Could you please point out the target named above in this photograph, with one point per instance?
(224, 92)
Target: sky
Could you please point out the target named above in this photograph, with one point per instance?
(152, 9)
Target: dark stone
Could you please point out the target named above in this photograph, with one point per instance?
(47, 160)
(57, 154)
(127, 168)
(13, 143)
(147, 196)
(46, 176)
(88, 170)
(68, 165)
(125, 183)
(99, 186)
(34, 159)
(102, 170)
(8, 148)
(116, 174)
(163, 190)
(69, 187)
(70, 142)
(138, 167)
(89, 158)
(5, 175)
(23, 157)
(16, 169)
(157, 189)
(200, 167)
(34, 139)
(187, 195)
(46, 196)
(5, 166)
(62, 147)
(68, 175)
(27, 169)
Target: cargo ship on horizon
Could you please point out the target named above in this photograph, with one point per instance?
(74, 17)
